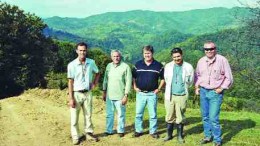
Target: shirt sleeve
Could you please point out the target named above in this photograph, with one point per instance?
(228, 81)
(191, 76)
(162, 73)
(128, 78)
(197, 76)
(70, 74)
(134, 72)
(95, 68)
(105, 80)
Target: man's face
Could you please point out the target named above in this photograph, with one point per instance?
(177, 58)
(148, 55)
(210, 50)
(116, 57)
(82, 52)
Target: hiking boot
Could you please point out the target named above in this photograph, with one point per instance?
(155, 135)
(136, 134)
(90, 136)
(107, 134)
(169, 132)
(121, 134)
(217, 144)
(75, 142)
(205, 140)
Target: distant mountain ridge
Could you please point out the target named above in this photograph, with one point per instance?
(131, 30)
(188, 22)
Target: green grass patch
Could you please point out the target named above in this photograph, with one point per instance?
(238, 128)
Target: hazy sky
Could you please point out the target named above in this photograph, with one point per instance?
(84, 8)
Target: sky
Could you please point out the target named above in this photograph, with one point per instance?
(85, 8)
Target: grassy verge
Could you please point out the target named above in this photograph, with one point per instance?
(238, 128)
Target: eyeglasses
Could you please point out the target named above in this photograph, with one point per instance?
(209, 49)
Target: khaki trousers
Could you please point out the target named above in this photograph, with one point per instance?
(175, 109)
(84, 101)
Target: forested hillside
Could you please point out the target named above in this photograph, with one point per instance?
(128, 31)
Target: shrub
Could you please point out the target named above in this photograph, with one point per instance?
(57, 80)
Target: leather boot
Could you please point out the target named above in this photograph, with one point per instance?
(180, 133)
(170, 127)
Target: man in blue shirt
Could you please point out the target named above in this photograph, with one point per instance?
(146, 75)
(80, 74)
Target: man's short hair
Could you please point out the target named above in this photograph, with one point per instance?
(81, 44)
(114, 50)
(148, 48)
(212, 43)
(176, 50)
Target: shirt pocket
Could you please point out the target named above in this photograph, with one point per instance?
(216, 72)
(187, 78)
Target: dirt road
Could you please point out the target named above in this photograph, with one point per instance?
(41, 118)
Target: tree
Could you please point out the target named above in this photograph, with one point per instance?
(25, 53)
(246, 52)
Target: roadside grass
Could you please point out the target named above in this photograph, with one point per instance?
(239, 128)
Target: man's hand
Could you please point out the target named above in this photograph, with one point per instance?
(104, 95)
(137, 89)
(156, 91)
(197, 91)
(124, 100)
(219, 90)
(92, 85)
(72, 103)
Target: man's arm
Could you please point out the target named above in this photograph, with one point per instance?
(105, 85)
(71, 95)
(135, 87)
(228, 81)
(162, 82)
(196, 80)
(96, 79)
(128, 79)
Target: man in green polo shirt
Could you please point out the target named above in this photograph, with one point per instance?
(116, 86)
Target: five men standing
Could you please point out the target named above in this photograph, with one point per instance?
(213, 75)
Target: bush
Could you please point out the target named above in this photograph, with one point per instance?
(232, 104)
(57, 80)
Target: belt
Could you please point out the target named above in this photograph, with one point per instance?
(82, 91)
(144, 91)
(179, 95)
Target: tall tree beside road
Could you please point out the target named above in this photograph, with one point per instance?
(25, 53)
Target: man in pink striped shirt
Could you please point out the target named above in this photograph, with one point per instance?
(213, 75)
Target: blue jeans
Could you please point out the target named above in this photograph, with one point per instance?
(141, 100)
(210, 103)
(111, 105)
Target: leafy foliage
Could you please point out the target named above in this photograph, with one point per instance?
(25, 53)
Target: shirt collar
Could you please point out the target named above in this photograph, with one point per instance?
(211, 60)
(153, 62)
(116, 65)
(79, 63)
